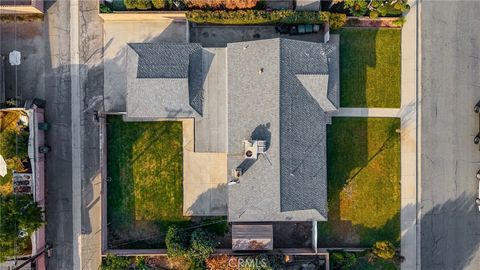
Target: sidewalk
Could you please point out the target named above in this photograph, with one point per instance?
(367, 112)
(410, 244)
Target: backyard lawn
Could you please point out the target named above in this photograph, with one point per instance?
(144, 174)
(145, 184)
(370, 68)
(363, 183)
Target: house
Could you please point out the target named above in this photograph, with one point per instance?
(265, 103)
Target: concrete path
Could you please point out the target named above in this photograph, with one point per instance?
(410, 243)
(367, 112)
(204, 178)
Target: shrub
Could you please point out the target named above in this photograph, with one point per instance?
(105, 9)
(356, 7)
(138, 4)
(373, 14)
(176, 242)
(158, 4)
(221, 4)
(113, 262)
(383, 250)
(337, 20)
(118, 5)
(202, 245)
(246, 17)
(342, 260)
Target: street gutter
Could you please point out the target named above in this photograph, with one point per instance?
(76, 97)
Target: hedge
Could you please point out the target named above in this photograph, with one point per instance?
(248, 17)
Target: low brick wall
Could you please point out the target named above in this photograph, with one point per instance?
(143, 16)
(368, 22)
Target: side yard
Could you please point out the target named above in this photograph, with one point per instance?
(145, 184)
(363, 183)
(370, 67)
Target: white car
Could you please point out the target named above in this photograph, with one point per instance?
(478, 198)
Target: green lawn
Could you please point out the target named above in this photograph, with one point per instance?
(145, 174)
(145, 184)
(363, 182)
(370, 67)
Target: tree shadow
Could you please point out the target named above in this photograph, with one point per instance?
(449, 234)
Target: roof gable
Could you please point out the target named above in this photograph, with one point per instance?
(317, 86)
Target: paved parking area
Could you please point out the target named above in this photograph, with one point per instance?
(220, 36)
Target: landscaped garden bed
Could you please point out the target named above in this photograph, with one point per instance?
(363, 183)
(145, 185)
(370, 67)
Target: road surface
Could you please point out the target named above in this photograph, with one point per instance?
(450, 225)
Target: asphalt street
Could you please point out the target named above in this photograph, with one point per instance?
(46, 73)
(450, 79)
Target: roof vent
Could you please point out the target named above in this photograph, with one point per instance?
(260, 71)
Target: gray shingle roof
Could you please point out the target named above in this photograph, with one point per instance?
(164, 64)
(285, 85)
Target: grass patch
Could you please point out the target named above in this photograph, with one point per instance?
(370, 67)
(363, 182)
(145, 184)
(144, 171)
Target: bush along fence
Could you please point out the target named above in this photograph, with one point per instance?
(249, 17)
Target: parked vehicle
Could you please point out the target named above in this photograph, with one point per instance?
(476, 109)
(477, 201)
(476, 140)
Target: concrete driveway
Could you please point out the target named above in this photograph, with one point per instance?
(450, 225)
(116, 36)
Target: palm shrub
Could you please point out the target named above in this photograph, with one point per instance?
(383, 250)
(356, 7)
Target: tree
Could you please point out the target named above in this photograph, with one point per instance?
(202, 245)
(176, 242)
(113, 262)
(20, 217)
(14, 144)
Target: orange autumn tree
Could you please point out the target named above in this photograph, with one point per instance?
(222, 262)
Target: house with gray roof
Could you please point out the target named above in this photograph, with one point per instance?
(266, 103)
